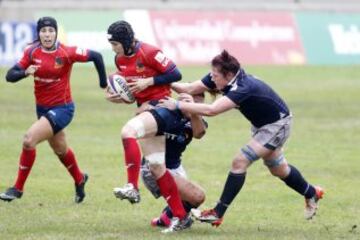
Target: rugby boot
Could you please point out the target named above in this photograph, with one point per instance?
(11, 194)
(80, 189)
(312, 204)
(207, 216)
(179, 224)
(128, 192)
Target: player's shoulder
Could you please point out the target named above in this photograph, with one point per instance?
(62, 47)
(72, 50)
(32, 47)
(148, 48)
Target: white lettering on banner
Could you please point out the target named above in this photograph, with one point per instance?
(225, 30)
(198, 51)
(345, 41)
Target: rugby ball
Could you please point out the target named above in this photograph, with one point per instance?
(118, 85)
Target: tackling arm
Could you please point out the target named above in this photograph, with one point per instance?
(190, 88)
(221, 105)
(198, 126)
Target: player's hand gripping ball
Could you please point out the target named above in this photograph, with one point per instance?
(118, 85)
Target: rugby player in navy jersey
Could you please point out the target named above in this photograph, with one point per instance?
(177, 139)
(50, 62)
(271, 121)
(149, 73)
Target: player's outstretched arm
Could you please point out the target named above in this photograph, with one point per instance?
(192, 88)
(98, 61)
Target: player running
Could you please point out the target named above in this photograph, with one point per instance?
(271, 121)
(50, 62)
(149, 74)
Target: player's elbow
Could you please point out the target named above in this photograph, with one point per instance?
(12, 76)
(95, 56)
(177, 76)
(199, 134)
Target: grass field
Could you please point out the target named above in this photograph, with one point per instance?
(324, 145)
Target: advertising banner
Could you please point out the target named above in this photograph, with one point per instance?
(193, 37)
(14, 37)
(330, 38)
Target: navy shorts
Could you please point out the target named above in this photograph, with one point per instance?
(167, 119)
(58, 116)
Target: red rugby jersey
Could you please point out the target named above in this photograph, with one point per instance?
(148, 61)
(52, 78)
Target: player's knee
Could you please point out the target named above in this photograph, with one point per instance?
(200, 197)
(28, 141)
(278, 166)
(60, 152)
(239, 164)
(133, 129)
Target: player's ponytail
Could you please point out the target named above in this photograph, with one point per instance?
(226, 63)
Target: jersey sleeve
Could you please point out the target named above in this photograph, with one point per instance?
(208, 82)
(25, 60)
(77, 54)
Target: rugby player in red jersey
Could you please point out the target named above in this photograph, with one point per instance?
(148, 73)
(50, 62)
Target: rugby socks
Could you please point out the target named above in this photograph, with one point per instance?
(296, 181)
(69, 161)
(168, 212)
(187, 206)
(27, 159)
(233, 185)
(132, 160)
(166, 215)
(169, 191)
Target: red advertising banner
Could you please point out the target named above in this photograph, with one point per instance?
(195, 37)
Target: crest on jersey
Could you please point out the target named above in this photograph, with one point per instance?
(59, 63)
(140, 67)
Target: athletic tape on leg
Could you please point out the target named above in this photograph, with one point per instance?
(156, 158)
(138, 126)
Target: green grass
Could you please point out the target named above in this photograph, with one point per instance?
(324, 145)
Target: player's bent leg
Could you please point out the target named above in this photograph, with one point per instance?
(68, 159)
(169, 191)
(189, 191)
(143, 125)
(38, 132)
(234, 183)
(292, 177)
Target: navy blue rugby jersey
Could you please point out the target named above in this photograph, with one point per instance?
(256, 100)
(177, 140)
(178, 134)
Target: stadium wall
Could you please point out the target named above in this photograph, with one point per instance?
(193, 37)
